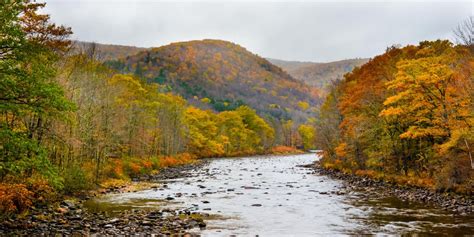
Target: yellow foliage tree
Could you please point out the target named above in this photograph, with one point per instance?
(307, 133)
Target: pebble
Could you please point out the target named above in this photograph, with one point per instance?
(70, 219)
(456, 203)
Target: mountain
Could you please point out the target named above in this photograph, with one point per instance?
(318, 74)
(221, 75)
(314, 74)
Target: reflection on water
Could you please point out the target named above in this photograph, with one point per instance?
(272, 196)
(392, 215)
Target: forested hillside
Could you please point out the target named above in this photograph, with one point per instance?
(319, 75)
(405, 116)
(221, 75)
(68, 122)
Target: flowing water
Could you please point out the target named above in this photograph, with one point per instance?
(272, 196)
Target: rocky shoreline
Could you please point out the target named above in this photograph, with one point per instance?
(71, 218)
(458, 204)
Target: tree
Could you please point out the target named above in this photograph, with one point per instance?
(264, 134)
(202, 133)
(424, 95)
(464, 33)
(406, 112)
(29, 94)
(41, 31)
(288, 130)
(233, 133)
(307, 133)
(328, 122)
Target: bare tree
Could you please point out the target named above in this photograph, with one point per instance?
(464, 33)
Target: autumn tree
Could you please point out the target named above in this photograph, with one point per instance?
(233, 133)
(307, 134)
(431, 101)
(202, 133)
(263, 134)
(327, 123)
(406, 112)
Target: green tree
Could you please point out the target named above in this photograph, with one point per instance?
(30, 97)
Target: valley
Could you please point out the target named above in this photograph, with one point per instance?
(198, 130)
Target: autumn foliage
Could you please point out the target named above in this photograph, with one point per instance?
(220, 75)
(282, 150)
(408, 112)
(14, 198)
(69, 122)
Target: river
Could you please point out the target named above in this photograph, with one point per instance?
(272, 196)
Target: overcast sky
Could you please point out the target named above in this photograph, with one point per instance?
(303, 31)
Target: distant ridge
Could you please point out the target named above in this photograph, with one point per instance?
(319, 74)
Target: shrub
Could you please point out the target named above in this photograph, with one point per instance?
(186, 158)
(134, 168)
(180, 159)
(76, 179)
(14, 198)
(155, 161)
(147, 164)
(42, 191)
(366, 173)
(284, 150)
(114, 168)
(168, 161)
(455, 174)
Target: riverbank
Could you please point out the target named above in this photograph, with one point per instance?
(257, 195)
(459, 204)
(273, 196)
(148, 181)
(70, 217)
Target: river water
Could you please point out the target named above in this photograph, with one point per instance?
(272, 196)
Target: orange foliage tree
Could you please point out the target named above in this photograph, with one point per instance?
(408, 111)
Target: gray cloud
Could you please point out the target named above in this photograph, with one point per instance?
(305, 31)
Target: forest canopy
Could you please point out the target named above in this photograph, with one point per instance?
(69, 122)
(406, 112)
